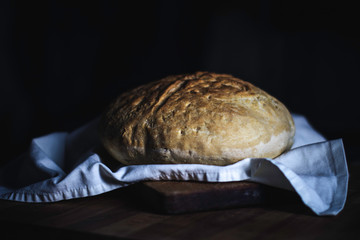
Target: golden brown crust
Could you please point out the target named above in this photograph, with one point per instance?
(204, 118)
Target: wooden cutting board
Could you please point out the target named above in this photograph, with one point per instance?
(179, 197)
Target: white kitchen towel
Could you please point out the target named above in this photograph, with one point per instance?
(62, 166)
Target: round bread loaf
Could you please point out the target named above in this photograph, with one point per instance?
(203, 118)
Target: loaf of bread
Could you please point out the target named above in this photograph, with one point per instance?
(200, 118)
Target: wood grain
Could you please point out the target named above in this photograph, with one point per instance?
(179, 197)
(121, 214)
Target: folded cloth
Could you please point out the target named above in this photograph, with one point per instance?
(62, 166)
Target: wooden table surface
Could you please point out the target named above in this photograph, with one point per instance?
(120, 215)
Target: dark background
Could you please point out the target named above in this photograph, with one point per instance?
(62, 62)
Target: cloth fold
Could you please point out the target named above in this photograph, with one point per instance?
(62, 166)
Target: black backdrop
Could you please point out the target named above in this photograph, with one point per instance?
(62, 62)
